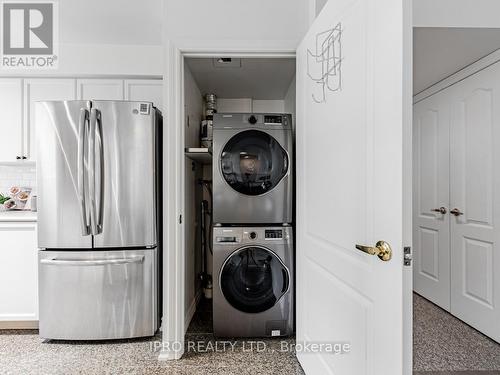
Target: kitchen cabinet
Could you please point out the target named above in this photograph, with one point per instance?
(100, 89)
(18, 275)
(11, 109)
(42, 89)
(18, 97)
(149, 90)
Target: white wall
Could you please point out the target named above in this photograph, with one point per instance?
(263, 24)
(456, 13)
(249, 105)
(269, 106)
(193, 109)
(111, 37)
(234, 105)
(101, 59)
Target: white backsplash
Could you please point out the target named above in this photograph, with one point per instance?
(17, 175)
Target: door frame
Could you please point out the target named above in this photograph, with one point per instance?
(173, 323)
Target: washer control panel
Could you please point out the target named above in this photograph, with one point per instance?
(273, 234)
(230, 236)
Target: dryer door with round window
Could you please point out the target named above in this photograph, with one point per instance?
(253, 279)
(253, 162)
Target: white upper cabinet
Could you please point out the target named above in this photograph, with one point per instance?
(145, 90)
(18, 97)
(100, 89)
(40, 90)
(11, 110)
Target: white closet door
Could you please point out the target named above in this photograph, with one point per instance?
(431, 229)
(475, 191)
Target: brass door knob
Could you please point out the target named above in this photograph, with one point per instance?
(441, 210)
(382, 249)
(456, 212)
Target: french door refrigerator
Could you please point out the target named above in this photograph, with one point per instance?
(98, 210)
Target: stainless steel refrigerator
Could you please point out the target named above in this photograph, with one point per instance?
(98, 179)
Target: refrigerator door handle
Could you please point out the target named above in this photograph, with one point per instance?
(100, 185)
(82, 127)
(92, 175)
(92, 262)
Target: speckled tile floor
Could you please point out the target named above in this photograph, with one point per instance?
(442, 342)
(443, 345)
(22, 352)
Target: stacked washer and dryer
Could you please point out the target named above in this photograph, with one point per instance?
(253, 250)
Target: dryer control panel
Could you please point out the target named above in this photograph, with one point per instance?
(252, 121)
(273, 119)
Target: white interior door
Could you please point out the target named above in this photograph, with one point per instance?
(350, 190)
(431, 173)
(475, 191)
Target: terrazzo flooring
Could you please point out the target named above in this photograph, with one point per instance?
(22, 352)
(443, 345)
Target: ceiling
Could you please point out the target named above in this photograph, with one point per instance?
(256, 78)
(440, 52)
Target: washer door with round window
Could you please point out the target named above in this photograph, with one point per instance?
(253, 279)
(253, 183)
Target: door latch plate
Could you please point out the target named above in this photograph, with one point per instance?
(407, 257)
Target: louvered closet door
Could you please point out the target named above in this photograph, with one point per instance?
(475, 191)
(431, 229)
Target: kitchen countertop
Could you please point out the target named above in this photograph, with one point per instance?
(13, 216)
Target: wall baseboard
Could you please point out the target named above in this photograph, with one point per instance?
(192, 309)
(19, 324)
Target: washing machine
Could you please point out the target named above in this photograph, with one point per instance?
(253, 281)
(252, 168)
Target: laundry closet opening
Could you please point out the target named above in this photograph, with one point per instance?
(238, 216)
(456, 195)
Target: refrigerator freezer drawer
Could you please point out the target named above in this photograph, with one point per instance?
(97, 295)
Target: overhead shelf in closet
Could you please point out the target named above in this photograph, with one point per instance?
(199, 154)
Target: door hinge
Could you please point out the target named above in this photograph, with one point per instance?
(180, 219)
(407, 257)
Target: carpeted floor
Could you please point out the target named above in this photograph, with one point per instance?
(442, 342)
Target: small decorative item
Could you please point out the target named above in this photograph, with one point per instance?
(3, 199)
(10, 204)
(19, 199)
